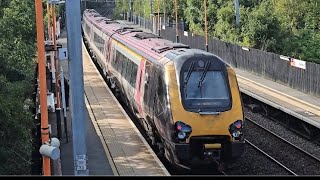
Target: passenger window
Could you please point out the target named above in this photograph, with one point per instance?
(134, 74)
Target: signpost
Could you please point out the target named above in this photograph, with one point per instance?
(62, 54)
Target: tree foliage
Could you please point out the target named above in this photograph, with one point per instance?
(17, 51)
(287, 27)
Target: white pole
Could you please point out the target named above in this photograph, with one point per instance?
(63, 92)
(236, 3)
(53, 69)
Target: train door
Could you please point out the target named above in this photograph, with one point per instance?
(105, 54)
(139, 86)
(148, 94)
(113, 60)
(160, 107)
(110, 51)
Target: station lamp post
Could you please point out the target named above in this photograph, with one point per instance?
(56, 64)
(49, 148)
(176, 13)
(236, 4)
(206, 24)
(43, 85)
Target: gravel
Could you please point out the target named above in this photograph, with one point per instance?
(253, 162)
(285, 133)
(300, 164)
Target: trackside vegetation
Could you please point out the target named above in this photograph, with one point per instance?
(286, 27)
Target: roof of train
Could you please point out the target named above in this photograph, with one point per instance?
(149, 45)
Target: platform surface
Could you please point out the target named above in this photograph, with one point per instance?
(127, 150)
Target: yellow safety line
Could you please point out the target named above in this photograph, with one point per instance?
(276, 91)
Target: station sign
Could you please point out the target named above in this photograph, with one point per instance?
(298, 63)
(62, 54)
(50, 47)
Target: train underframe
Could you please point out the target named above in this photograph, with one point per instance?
(196, 154)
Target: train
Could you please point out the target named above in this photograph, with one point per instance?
(187, 100)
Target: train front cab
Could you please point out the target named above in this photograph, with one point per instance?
(206, 110)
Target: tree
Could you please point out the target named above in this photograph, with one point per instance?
(280, 26)
(225, 28)
(194, 16)
(17, 52)
(262, 29)
(122, 7)
(302, 21)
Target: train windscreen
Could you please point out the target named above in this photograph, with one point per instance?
(205, 90)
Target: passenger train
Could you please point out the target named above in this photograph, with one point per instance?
(187, 100)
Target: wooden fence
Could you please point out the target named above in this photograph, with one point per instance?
(265, 64)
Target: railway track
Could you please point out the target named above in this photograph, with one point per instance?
(271, 158)
(287, 155)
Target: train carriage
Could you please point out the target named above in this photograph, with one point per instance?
(187, 100)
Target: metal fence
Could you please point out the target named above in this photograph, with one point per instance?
(265, 64)
(143, 22)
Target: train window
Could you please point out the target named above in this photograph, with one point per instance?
(125, 67)
(129, 71)
(99, 42)
(122, 65)
(120, 61)
(116, 62)
(210, 92)
(195, 91)
(134, 71)
(87, 28)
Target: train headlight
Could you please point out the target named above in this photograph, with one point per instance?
(236, 129)
(183, 130)
(182, 135)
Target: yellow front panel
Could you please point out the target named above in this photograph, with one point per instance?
(204, 124)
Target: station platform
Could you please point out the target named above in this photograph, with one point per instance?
(293, 102)
(115, 146)
(128, 152)
(296, 103)
(98, 164)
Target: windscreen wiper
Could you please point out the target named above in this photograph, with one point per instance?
(204, 73)
(189, 73)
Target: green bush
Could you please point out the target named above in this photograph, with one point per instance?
(17, 51)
